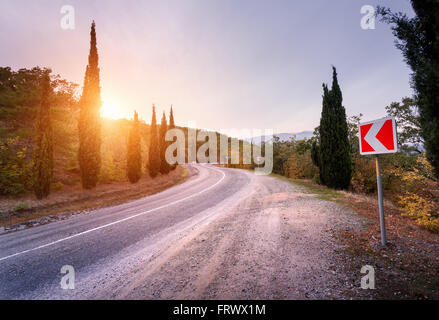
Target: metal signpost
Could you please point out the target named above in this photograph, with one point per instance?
(380, 201)
(379, 137)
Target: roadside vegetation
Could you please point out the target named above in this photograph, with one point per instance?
(26, 210)
(407, 176)
(53, 140)
(410, 177)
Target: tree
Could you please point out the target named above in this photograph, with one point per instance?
(20, 103)
(164, 165)
(43, 157)
(154, 150)
(282, 151)
(315, 153)
(252, 161)
(334, 149)
(171, 119)
(409, 128)
(172, 126)
(419, 43)
(134, 152)
(353, 128)
(89, 125)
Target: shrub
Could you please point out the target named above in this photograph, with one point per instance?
(423, 210)
(300, 166)
(420, 194)
(56, 186)
(15, 170)
(363, 175)
(111, 170)
(21, 206)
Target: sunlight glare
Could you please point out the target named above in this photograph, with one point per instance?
(111, 110)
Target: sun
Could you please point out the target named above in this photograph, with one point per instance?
(111, 110)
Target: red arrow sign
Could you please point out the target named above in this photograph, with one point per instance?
(365, 147)
(378, 136)
(385, 135)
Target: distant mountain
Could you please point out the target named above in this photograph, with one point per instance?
(284, 136)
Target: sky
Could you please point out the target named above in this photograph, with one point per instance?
(222, 64)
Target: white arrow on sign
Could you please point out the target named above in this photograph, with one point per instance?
(378, 136)
(371, 137)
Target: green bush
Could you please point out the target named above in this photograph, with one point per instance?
(15, 170)
(300, 166)
(363, 175)
(419, 195)
(21, 206)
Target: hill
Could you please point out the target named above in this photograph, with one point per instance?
(283, 137)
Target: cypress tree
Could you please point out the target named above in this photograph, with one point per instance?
(335, 158)
(419, 43)
(325, 122)
(171, 119)
(134, 155)
(172, 126)
(43, 156)
(154, 148)
(89, 125)
(315, 153)
(252, 162)
(164, 165)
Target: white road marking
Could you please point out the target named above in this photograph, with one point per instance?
(117, 221)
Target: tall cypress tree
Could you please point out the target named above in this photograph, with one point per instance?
(419, 43)
(164, 165)
(172, 126)
(134, 154)
(154, 148)
(171, 119)
(315, 153)
(325, 123)
(89, 125)
(335, 158)
(43, 156)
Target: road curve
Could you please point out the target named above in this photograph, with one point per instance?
(224, 233)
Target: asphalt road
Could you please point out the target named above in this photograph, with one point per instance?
(224, 233)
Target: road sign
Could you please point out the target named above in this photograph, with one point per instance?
(378, 136)
(227, 159)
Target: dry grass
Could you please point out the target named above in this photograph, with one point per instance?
(26, 208)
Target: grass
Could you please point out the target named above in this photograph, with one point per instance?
(21, 206)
